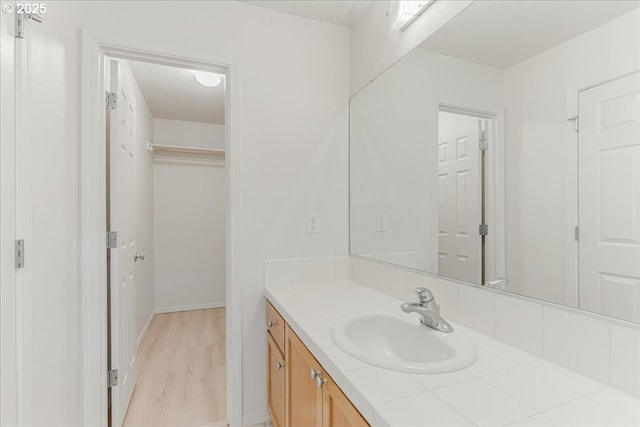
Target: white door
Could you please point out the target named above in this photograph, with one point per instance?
(122, 220)
(609, 198)
(8, 307)
(459, 197)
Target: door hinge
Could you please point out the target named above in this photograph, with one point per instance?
(483, 229)
(576, 121)
(20, 253)
(483, 144)
(112, 239)
(112, 378)
(21, 19)
(576, 233)
(111, 100)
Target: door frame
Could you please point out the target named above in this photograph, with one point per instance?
(92, 209)
(495, 263)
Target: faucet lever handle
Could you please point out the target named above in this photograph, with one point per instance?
(424, 295)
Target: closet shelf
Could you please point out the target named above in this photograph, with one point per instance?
(185, 153)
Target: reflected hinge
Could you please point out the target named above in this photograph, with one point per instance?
(483, 144)
(483, 229)
(19, 253)
(111, 101)
(112, 378)
(576, 233)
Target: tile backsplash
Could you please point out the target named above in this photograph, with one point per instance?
(607, 350)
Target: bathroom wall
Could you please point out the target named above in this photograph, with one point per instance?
(293, 88)
(377, 42)
(392, 172)
(189, 220)
(143, 182)
(540, 94)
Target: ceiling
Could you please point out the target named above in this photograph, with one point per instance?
(173, 93)
(504, 33)
(342, 12)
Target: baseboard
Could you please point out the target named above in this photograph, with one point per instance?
(189, 307)
(255, 419)
(144, 330)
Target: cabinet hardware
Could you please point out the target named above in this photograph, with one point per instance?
(279, 365)
(320, 381)
(313, 373)
(270, 324)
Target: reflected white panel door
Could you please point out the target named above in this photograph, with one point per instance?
(459, 197)
(122, 218)
(609, 198)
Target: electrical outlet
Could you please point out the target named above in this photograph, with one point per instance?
(381, 222)
(313, 223)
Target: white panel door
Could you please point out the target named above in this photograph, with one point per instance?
(609, 198)
(122, 220)
(459, 197)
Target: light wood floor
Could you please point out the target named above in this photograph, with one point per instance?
(181, 371)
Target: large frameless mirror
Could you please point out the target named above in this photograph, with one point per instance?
(505, 151)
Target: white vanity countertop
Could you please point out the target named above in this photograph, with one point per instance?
(504, 387)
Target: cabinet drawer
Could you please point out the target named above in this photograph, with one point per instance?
(275, 326)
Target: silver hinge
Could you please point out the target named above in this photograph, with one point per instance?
(20, 253)
(575, 120)
(112, 240)
(576, 233)
(112, 378)
(483, 229)
(21, 19)
(111, 100)
(483, 144)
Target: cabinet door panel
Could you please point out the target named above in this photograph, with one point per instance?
(338, 410)
(275, 383)
(304, 398)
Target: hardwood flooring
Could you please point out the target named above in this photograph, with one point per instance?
(181, 371)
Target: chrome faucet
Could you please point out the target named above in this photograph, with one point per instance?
(428, 310)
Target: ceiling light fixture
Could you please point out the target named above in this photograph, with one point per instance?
(413, 9)
(208, 79)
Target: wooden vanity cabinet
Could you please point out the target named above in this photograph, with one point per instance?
(302, 394)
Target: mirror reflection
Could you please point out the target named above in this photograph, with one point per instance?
(505, 151)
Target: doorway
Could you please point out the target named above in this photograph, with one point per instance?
(166, 222)
(95, 85)
(462, 215)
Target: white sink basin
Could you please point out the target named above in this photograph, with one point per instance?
(400, 343)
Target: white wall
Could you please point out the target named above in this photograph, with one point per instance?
(394, 137)
(377, 42)
(292, 142)
(194, 134)
(189, 221)
(143, 169)
(541, 156)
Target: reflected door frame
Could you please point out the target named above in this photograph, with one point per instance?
(494, 263)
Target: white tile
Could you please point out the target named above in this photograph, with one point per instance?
(519, 323)
(536, 421)
(433, 381)
(341, 268)
(584, 412)
(566, 377)
(483, 404)
(277, 271)
(303, 270)
(476, 309)
(342, 360)
(577, 341)
(617, 401)
(625, 358)
(381, 385)
(432, 411)
(506, 352)
(488, 363)
(533, 390)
